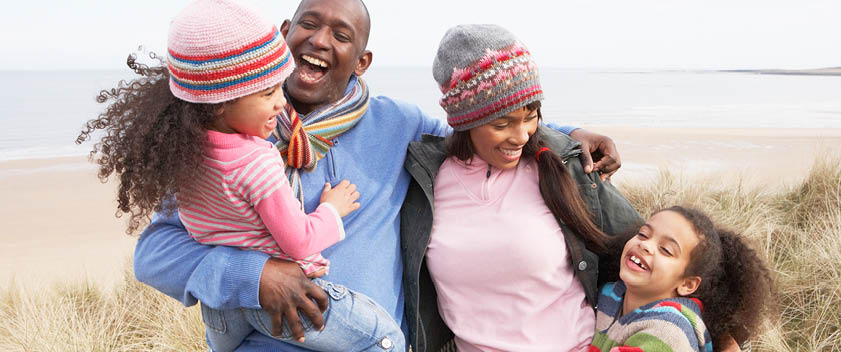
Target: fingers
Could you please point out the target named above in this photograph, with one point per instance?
(586, 159)
(318, 295)
(327, 187)
(344, 184)
(607, 165)
(349, 189)
(277, 324)
(294, 323)
(606, 176)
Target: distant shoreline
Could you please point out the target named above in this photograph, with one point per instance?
(829, 71)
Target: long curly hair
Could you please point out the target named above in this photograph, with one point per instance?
(152, 141)
(737, 289)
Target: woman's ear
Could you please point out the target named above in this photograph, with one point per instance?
(689, 285)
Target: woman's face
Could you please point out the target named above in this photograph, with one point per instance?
(501, 141)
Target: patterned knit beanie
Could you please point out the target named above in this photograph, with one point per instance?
(484, 73)
(220, 50)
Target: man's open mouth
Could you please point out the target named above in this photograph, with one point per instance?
(312, 68)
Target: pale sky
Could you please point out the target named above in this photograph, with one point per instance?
(650, 34)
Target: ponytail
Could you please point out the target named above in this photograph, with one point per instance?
(736, 286)
(740, 294)
(561, 195)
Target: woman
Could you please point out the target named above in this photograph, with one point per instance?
(509, 255)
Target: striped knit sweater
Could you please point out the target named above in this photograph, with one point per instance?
(666, 325)
(243, 199)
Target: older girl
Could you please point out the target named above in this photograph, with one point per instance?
(683, 284)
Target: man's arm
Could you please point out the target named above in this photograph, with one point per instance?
(167, 259)
(593, 145)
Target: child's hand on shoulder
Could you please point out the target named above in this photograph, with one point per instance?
(343, 197)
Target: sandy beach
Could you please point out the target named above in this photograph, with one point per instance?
(58, 219)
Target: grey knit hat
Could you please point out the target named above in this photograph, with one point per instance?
(484, 73)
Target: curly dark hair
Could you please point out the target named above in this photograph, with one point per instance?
(152, 141)
(736, 286)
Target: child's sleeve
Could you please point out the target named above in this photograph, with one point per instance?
(667, 327)
(297, 233)
(646, 341)
(168, 259)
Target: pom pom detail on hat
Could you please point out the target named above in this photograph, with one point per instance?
(484, 72)
(220, 50)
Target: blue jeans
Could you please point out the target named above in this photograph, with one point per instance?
(352, 322)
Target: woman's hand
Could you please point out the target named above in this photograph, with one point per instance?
(599, 148)
(285, 290)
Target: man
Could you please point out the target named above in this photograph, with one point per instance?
(327, 39)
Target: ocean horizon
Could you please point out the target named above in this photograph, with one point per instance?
(42, 112)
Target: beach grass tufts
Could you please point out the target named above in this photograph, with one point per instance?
(796, 228)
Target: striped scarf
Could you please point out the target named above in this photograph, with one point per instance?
(303, 141)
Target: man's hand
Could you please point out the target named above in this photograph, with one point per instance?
(284, 290)
(599, 148)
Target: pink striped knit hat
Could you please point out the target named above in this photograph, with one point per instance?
(484, 73)
(220, 50)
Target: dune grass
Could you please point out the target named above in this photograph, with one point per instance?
(84, 317)
(797, 228)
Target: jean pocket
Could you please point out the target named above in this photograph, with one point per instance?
(213, 319)
(261, 321)
(336, 291)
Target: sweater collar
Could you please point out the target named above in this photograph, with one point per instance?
(219, 140)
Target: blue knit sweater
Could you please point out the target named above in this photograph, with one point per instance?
(368, 260)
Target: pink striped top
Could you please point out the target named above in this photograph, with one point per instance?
(243, 199)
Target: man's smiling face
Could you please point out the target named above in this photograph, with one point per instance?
(327, 39)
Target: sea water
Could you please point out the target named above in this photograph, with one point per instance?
(42, 112)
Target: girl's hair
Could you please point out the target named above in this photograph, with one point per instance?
(152, 140)
(736, 287)
(559, 190)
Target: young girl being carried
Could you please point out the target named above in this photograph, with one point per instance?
(197, 129)
(677, 266)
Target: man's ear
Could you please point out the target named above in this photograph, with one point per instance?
(363, 63)
(284, 27)
(689, 285)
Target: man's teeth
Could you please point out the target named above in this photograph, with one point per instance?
(637, 261)
(313, 61)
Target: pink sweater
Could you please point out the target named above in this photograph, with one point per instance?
(500, 264)
(243, 199)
